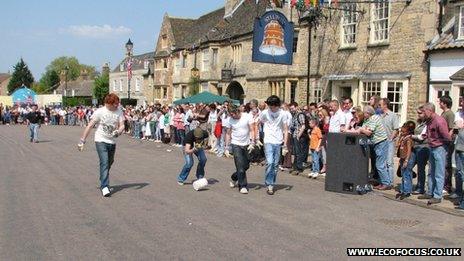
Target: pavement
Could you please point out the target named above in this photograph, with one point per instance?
(51, 209)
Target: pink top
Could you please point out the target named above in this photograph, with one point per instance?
(178, 121)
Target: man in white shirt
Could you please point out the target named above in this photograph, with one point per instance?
(347, 104)
(241, 137)
(110, 122)
(337, 119)
(275, 133)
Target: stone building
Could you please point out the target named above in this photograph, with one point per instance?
(366, 49)
(445, 54)
(81, 88)
(141, 83)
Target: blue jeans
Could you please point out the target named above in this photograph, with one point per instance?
(436, 175)
(316, 167)
(137, 129)
(180, 136)
(406, 176)
(272, 152)
(381, 154)
(420, 156)
(459, 157)
(390, 156)
(106, 155)
(34, 131)
(152, 129)
(221, 143)
(189, 164)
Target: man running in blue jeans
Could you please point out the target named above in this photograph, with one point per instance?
(110, 122)
(194, 143)
(241, 136)
(275, 134)
(34, 119)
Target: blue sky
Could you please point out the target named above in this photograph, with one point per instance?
(94, 31)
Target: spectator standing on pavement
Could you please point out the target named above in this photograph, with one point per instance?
(34, 119)
(275, 133)
(300, 139)
(110, 122)
(445, 103)
(375, 130)
(194, 143)
(241, 139)
(421, 151)
(438, 138)
(347, 105)
(315, 146)
(404, 153)
(459, 150)
(391, 125)
(338, 118)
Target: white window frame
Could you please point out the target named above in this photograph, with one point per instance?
(461, 25)
(383, 85)
(346, 24)
(114, 85)
(121, 67)
(214, 57)
(236, 53)
(183, 62)
(121, 83)
(376, 22)
(205, 60)
(317, 91)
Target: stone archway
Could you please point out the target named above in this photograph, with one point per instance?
(235, 91)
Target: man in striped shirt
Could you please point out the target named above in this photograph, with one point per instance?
(374, 129)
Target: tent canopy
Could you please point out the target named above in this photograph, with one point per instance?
(24, 95)
(205, 97)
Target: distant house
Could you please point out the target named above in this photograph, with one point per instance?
(4, 80)
(81, 88)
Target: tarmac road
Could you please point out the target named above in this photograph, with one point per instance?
(51, 209)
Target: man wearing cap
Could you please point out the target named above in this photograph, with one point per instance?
(241, 136)
(373, 128)
(194, 143)
(275, 130)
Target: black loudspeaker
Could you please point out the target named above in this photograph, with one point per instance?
(347, 163)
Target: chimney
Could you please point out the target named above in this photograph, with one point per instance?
(106, 68)
(84, 75)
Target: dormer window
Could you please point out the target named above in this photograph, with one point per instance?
(461, 23)
(121, 67)
(164, 41)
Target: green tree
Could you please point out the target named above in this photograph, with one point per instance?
(101, 87)
(194, 86)
(21, 75)
(50, 80)
(74, 67)
(39, 88)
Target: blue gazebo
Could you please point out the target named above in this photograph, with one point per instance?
(24, 96)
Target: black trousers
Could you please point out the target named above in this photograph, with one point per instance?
(242, 164)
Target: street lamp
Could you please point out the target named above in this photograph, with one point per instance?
(66, 70)
(129, 47)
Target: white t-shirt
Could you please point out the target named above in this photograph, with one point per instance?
(108, 121)
(348, 117)
(161, 121)
(336, 121)
(289, 117)
(273, 124)
(240, 129)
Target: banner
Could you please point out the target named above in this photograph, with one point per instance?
(273, 39)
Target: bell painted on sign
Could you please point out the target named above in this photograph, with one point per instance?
(273, 41)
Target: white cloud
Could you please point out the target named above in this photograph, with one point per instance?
(95, 31)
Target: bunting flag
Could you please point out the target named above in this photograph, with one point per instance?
(335, 3)
(315, 3)
(129, 69)
(293, 3)
(321, 2)
(307, 3)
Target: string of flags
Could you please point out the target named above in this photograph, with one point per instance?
(301, 4)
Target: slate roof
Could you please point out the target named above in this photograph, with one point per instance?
(446, 40)
(137, 61)
(80, 87)
(458, 76)
(214, 27)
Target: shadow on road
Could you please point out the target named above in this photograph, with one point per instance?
(117, 188)
(277, 187)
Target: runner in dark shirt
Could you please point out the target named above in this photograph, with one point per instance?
(194, 143)
(34, 119)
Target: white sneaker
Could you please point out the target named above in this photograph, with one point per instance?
(106, 192)
(315, 175)
(244, 190)
(232, 184)
(322, 174)
(180, 183)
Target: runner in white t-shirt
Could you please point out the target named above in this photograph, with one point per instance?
(241, 136)
(110, 122)
(275, 130)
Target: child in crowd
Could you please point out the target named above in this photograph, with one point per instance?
(315, 146)
(405, 145)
